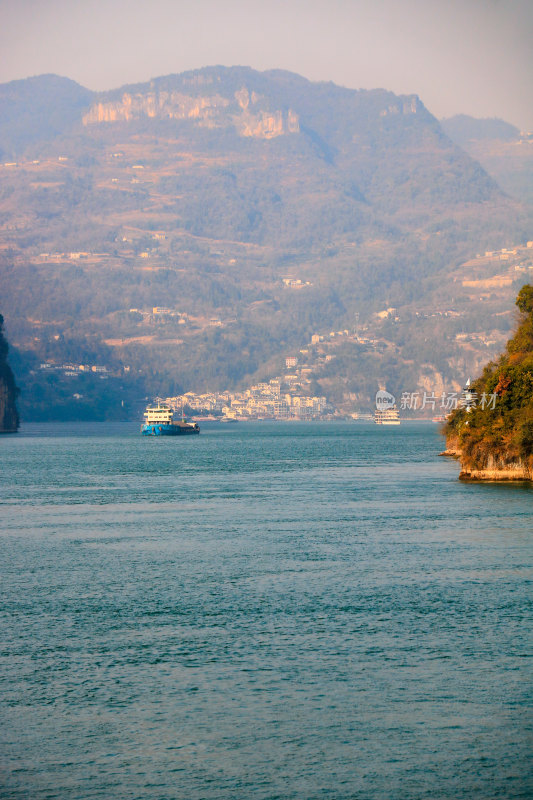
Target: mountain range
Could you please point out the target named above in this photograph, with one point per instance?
(190, 232)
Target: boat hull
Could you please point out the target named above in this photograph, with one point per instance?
(162, 429)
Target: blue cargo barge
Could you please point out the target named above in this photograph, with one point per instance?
(159, 421)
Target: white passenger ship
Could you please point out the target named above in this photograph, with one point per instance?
(387, 416)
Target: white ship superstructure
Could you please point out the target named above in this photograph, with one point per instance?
(387, 416)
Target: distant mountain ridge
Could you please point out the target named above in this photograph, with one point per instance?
(38, 109)
(504, 151)
(462, 129)
(340, 123)
(218, 97)
(355, 131)
(368, 149)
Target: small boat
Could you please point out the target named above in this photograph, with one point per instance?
(159, 421)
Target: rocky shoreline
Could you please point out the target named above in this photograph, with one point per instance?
(494, 470)
(511, 472)
(451, 453)
(514, 471)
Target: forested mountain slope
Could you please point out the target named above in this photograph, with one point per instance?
(257, 209)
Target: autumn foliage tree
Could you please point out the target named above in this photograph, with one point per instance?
(504, 434)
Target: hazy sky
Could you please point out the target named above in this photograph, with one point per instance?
(459, 56)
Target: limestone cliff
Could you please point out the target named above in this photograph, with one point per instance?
(409, 105)
(9, 420)
(245, 111)
(160, 105)
(493, 435)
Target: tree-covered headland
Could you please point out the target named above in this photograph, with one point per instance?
(495, 437)
(9, 420)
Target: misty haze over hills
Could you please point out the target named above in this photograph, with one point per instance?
(504, 151)
(260, 209)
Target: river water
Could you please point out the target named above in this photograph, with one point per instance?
(290, 611)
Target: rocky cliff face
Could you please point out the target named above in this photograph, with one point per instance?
(9, 420)
(496, 469)
(492, 467)
(245, 111)
(160, 105)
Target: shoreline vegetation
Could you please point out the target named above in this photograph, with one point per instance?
(496, 444)
(9, 418)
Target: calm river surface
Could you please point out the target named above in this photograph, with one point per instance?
(292, 611)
